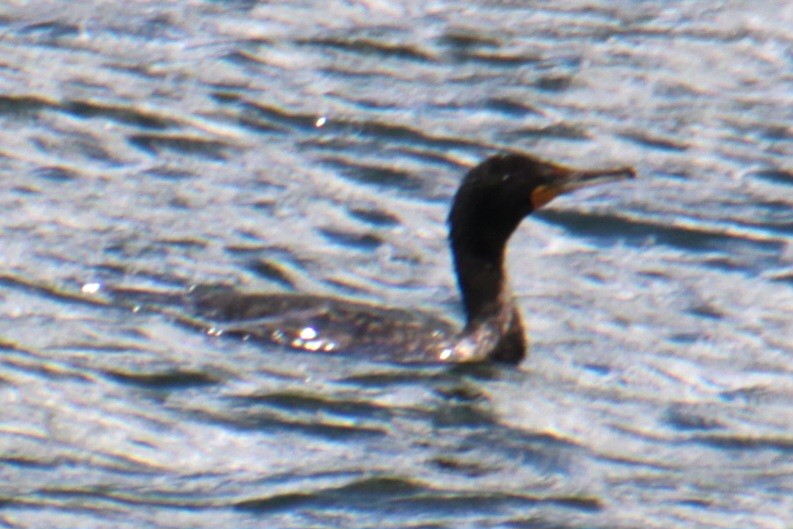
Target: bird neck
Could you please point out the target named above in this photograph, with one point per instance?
(483, 283)
(493, 320)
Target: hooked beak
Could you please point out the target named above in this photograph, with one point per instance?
(565, 180)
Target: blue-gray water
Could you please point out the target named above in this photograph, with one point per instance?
(313, 146)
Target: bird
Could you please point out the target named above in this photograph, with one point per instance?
(490, 203)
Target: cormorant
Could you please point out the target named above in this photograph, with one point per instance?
(492, 200)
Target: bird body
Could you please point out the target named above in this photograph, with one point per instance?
(492, 200)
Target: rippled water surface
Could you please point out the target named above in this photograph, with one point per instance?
(313, 147)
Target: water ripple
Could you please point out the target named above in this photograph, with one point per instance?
(151, 149)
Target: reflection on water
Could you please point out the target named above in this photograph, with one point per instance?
(314, 148)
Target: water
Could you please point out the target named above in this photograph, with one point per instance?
(314, 147)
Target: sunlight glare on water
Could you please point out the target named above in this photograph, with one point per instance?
(159, 148)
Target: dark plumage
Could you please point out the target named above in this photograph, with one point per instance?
(492, 200)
